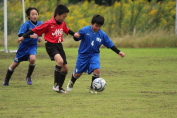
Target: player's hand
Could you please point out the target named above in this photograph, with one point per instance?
(77, 35)
(34, 36)
(39, 39)
(121, 54)
(20, 39)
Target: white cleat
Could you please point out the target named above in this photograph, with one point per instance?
(92, 91)
(69, 86)
(62, 91)
(56, 87)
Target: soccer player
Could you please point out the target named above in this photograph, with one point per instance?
(88, 60)
(28, 48)
(53, 30)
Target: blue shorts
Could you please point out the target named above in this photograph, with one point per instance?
(24, 51)
(87, 63)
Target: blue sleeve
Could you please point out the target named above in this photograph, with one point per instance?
(107, 41)
(40, 22)
(23, 29)
(81, 32)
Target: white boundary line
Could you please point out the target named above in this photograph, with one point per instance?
(11, 51)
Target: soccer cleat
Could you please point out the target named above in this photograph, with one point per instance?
(28, 80)
(69, 86)
(91, 90)
(61, 90)
(56, 87)
(5, 83)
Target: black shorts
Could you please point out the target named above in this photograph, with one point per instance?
(55, 48)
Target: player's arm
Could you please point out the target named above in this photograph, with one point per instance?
(26, 35)
(20, 35)
(113, 48)
(73, 34)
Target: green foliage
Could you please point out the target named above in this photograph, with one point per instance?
(140, 85)
(121, 18)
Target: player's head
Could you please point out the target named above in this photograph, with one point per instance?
(32, 13)
(98, 19)
(61, 12)
(97, 22)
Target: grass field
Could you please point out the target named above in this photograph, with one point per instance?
(143, 84)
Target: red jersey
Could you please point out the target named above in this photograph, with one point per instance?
(53, 31)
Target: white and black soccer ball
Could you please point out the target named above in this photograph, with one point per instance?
(99, 84)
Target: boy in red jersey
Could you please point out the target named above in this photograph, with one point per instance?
(53, 30)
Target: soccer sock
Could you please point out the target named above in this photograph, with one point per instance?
(8, 75)
(57, 74)
(93, 78)
(73, 79)
(62, 79)
(30, 70)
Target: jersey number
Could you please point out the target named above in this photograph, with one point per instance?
(92, 43)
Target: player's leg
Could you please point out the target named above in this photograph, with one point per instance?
(57, 71)
(73, 79)
(82, 64)
(10, 72)
(64, 69)
(60, 72)
(94, 68)
(96, 74)
(75, 76)
(30, 69)
(63, 73)
(51, 49)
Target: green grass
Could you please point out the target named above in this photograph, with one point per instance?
(143, 84)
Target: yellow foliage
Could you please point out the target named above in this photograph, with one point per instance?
(82, 22)
(64, 1)
(120, 16)
(116, 4)
(163, 21)
(153, 12)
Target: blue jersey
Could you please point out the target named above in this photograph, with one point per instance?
(29, 45)
(25, 27)
(88, 58)
(91, 41)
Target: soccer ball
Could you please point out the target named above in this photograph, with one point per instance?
(99, 84)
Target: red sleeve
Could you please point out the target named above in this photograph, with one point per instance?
(65, 28)
(39, 30)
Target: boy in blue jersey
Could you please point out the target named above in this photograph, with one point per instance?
(88, 60)
(28, 48)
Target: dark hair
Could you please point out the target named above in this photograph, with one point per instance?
(60, 9)
(29, 10)
(98, 19)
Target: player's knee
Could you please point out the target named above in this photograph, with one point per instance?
(60, 63)
(96, 71)
(32, 61)
(13, 66)
(76, 75)
(32, 58)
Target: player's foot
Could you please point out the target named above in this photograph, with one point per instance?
(5, 83)
(69, 86)
(61, 90)
(28, 80)
(56, 87)
(91, 90)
